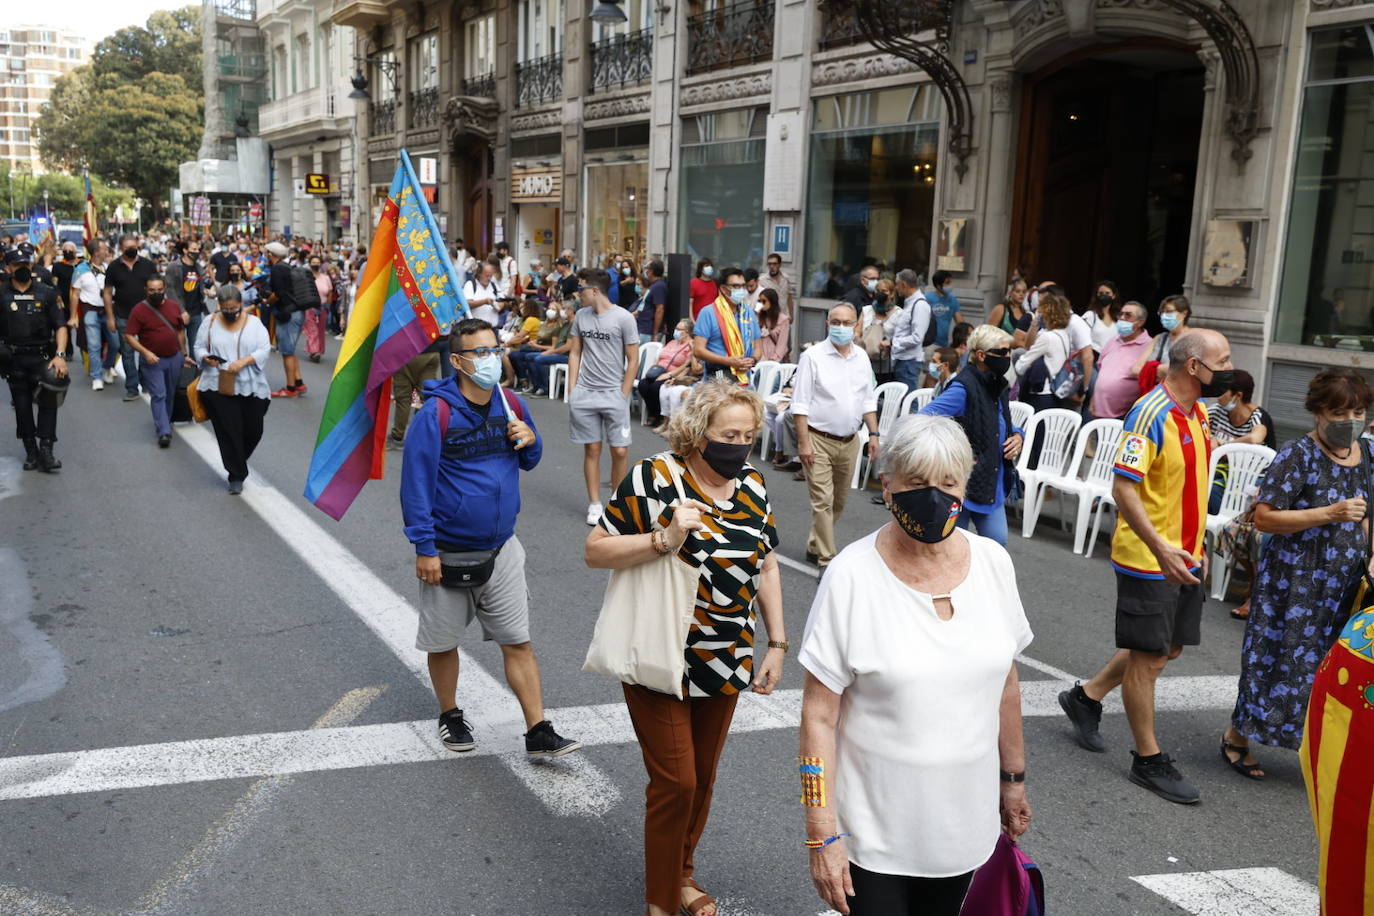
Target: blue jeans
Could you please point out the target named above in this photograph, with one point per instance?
(130, 357)
(908, 372)
(97, 335)
(289, 332)
(541, 365)
(193, 329)
(522, 359)
(989, 524)
(160, 381)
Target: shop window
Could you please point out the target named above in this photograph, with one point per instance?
(1326, 296)
(871, 187)
(617, 210)
(720, 201)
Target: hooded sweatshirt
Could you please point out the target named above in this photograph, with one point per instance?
(464, 495)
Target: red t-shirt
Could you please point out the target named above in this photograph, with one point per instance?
(145, 327)
(703, 293)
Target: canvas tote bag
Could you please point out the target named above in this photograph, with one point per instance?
(641, 633)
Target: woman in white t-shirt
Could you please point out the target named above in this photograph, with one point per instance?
(912, 705)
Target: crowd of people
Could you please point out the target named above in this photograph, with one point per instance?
(914, 629)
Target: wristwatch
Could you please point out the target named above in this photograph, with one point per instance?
(784, 645)
(1013, 777)
(874, 435)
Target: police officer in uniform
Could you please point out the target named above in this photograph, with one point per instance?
(34, 332)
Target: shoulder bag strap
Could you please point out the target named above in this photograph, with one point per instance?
(161, 317)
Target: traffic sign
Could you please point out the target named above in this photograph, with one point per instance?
(316, 183)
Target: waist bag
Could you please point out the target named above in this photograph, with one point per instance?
(466, 568)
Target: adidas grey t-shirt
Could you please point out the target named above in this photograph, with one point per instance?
(604, 339)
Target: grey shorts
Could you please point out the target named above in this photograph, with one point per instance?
(596, 416)
(502, 605)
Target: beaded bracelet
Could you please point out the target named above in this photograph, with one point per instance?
(658, 539)
(821, 844)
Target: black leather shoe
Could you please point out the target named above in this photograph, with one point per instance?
(47, 462)
(30, 454)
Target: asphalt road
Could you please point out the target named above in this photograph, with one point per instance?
(142, 605)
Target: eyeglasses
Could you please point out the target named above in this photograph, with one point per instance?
(583, 289)
(737, 286)
(1000, 351)
(483, 352)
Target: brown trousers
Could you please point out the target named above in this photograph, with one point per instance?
(409, 378)
(681, 741)
(828, 481)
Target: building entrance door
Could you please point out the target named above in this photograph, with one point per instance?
(1104, 183)
(477, 162)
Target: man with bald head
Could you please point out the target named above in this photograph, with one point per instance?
(832, 397)
(1160, 488)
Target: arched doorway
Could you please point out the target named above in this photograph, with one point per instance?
(1109, 140)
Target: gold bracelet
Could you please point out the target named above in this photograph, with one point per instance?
(659, 542)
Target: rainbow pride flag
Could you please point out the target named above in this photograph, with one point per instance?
(409, 294)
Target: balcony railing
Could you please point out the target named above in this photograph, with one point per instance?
(297, 109)
(424, 107)
(538, 80)
(622, 60)
(841, 26)
(382, 116)
(730, 36)
(483, 86)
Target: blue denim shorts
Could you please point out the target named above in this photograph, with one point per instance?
(288, 332)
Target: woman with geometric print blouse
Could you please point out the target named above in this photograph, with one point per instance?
(725, 529)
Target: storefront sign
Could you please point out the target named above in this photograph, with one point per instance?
(429, 170)
(951, 247)
(782, 238)
(316, 183)
(536, 186)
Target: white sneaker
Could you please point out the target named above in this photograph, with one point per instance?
(108, 375)
(97, 385)
(593, 513)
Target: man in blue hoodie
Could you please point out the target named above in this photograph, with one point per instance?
(460, 495)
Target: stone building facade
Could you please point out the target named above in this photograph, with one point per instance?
(1213, 147)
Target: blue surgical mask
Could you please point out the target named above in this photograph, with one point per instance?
(1125, 328)
(739, 296)
(870, 285)
(708, 271)
(840, 335)
(639, 289)
(1169, 320)
(947, 288)
(680, 334)
(486, 372)
(933, 371)
(626, 270)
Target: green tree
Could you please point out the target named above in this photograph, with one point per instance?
(135, 112)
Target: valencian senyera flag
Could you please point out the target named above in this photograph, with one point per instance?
(88, 220)
(409, 294)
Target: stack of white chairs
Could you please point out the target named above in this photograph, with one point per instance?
(1247, 464)
(769, 388)
(891, 396)
(916, 400)
(1089, 484)
(1060, 428)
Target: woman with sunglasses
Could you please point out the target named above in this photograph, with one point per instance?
(976, 399)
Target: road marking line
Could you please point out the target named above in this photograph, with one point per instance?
(805, 569)
(168, 893)
(341, 748)
(1059, 674)
(1235, 892)
(568, 786)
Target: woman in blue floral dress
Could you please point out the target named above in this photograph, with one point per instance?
(1312, 504)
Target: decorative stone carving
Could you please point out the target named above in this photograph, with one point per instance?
(1040, 12)
(615, 108)
(1001, 93)
(466, 115)
(541, 120)
(727, 90)
(855, 69)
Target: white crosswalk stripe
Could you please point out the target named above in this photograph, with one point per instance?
(1235, 892)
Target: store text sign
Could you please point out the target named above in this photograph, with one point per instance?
(542, 186)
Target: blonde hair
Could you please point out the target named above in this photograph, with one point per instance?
(988, 337)
(690, 421)
(1054, 310)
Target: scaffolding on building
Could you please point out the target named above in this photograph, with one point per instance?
(235, 74)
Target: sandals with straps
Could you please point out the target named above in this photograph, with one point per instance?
(1248, 770)
(696, 906)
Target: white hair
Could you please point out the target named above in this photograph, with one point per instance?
(988, 337)
(928, 447)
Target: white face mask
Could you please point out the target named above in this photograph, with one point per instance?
(680, 334)
(551, 314)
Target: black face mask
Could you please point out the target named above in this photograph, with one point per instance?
(927, 514)
(997, 365)
(155, 299)
(230, 317)
(880, 303)
(1104, 298)
(23, 274)
(726, 458)
(1223, 380)
(131, 253)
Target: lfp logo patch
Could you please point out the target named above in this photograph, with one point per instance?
(1133, 451)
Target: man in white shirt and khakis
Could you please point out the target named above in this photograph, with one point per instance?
(833, 396)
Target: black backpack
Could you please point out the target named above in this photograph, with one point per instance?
(931, 326)
(304, 293)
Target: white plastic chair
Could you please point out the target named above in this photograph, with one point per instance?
(770, 378)
(558, 378)
(1246, 464)
(890, 398)
(916, 399)
(648, 356)
(764, 377)
(1060, 428)
(1088, 485)
(1021, 413)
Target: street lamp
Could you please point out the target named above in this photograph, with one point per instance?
(388, 68)
(359, 86)
(608, 12)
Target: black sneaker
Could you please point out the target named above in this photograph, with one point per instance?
(1086, 714)
(543, 741)
(1160, 776)
(454, 731)
(164, 441)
